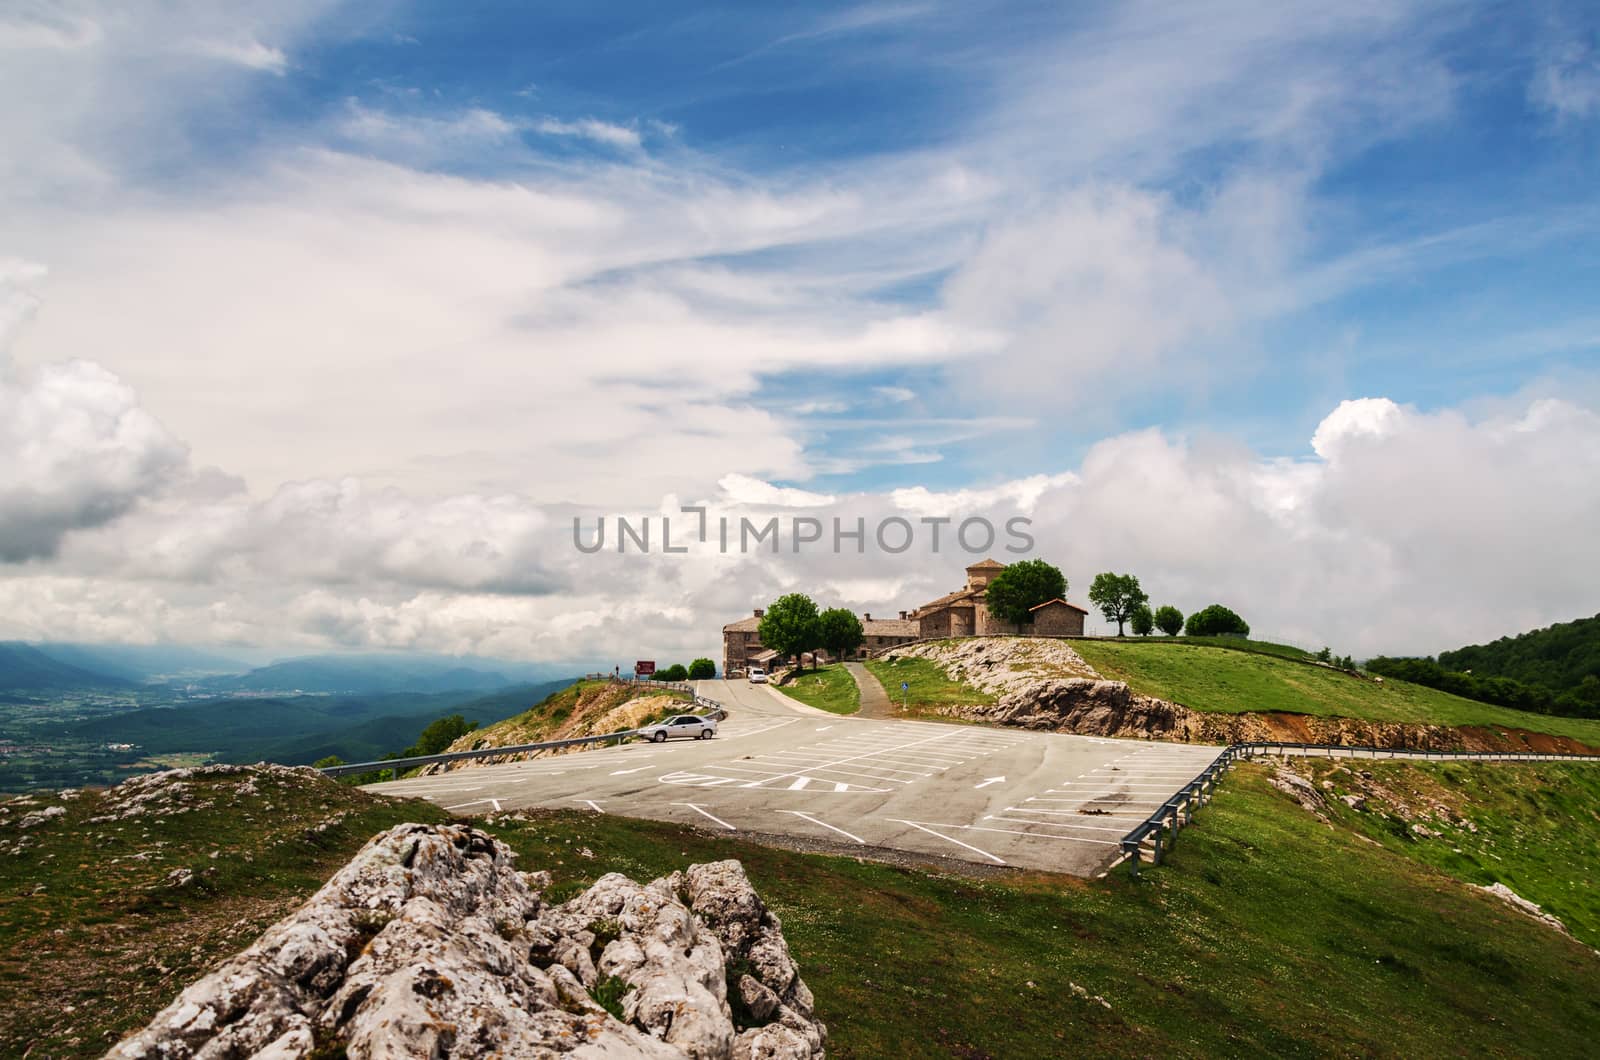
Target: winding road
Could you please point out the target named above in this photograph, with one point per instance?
(994, 797)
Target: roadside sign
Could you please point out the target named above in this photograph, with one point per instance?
(904, 687)
(644, 667)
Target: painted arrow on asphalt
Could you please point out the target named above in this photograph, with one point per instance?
(991, 780)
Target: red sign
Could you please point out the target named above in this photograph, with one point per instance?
(644, 667)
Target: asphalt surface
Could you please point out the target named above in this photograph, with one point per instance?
(993, 797)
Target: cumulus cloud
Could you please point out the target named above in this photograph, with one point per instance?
(76, 451)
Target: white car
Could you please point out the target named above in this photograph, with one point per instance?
(758, 676)
(701, 728)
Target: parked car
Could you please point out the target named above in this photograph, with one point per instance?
(691, 725)
(758, 676)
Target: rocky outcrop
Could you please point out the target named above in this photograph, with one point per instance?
(1000, 665)
(431, 943)
(1111, 708)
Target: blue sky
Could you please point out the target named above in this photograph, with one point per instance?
(786, 93)
(410, 283)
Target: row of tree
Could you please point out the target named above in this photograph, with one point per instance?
(793, 626)
(699, 670)
(1122, 600)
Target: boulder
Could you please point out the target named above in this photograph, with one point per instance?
(431, 943)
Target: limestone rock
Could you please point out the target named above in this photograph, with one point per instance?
(431, 943)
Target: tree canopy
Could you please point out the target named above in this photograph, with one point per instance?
(789, 626)
(702, 670)
(839, 632)
(1022, 586)
(675, 672)
(1117, 596)
(1215, 621)
(1169, 620)
(439, 735)
(1142, 621)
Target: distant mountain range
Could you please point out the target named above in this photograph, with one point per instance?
(41, 668)
(26, 669)
(297, 730)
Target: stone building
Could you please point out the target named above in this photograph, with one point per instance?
(965, 612)
(742, 648)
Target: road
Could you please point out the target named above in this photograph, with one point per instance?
(994, 797)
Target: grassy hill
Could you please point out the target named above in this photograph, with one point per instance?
(582, 708)
(1266, 932)
(1232, 681)
(829, 688)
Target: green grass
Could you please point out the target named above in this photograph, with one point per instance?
(829, 688)
(1264, 933)
(1233, 682)
(89, 925)
(930, 689)
(1530, 827)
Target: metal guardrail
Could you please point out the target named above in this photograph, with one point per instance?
(1180, 809)
(715, 710)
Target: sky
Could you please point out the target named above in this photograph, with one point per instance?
(321, 323)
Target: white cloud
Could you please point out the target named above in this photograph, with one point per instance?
(600, 132)
(248, 53)
(1566, 78)
(76, 451)
(744, 490)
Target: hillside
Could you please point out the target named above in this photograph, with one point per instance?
(584, 708)
(26, 669)
(187, 867)
(1213, 694)
(1564, 657)
(1215, 680)
(297, 730)
(1271, 929)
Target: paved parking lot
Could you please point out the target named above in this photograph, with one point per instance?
(993, 796)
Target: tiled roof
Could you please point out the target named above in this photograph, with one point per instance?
(891, 627)
(988, 564)
(1063, 603)
(748, 624)
(960, 596)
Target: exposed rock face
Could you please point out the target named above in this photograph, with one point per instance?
(430, 943)
(998, 665)
(1111, 708)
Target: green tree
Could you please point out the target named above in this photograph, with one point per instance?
(1216, 621)
(1142, 620)
(1117, 596)
(1169, 620)
(439, 735)
(324, 763)
(675, 672)
(1023, 586)
(839, 632)
(702, 670)
(789, 626)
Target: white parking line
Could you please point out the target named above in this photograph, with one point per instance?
(826, 825)
(947, 839)
(595, 806)
(703, 813)
(853, 758)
